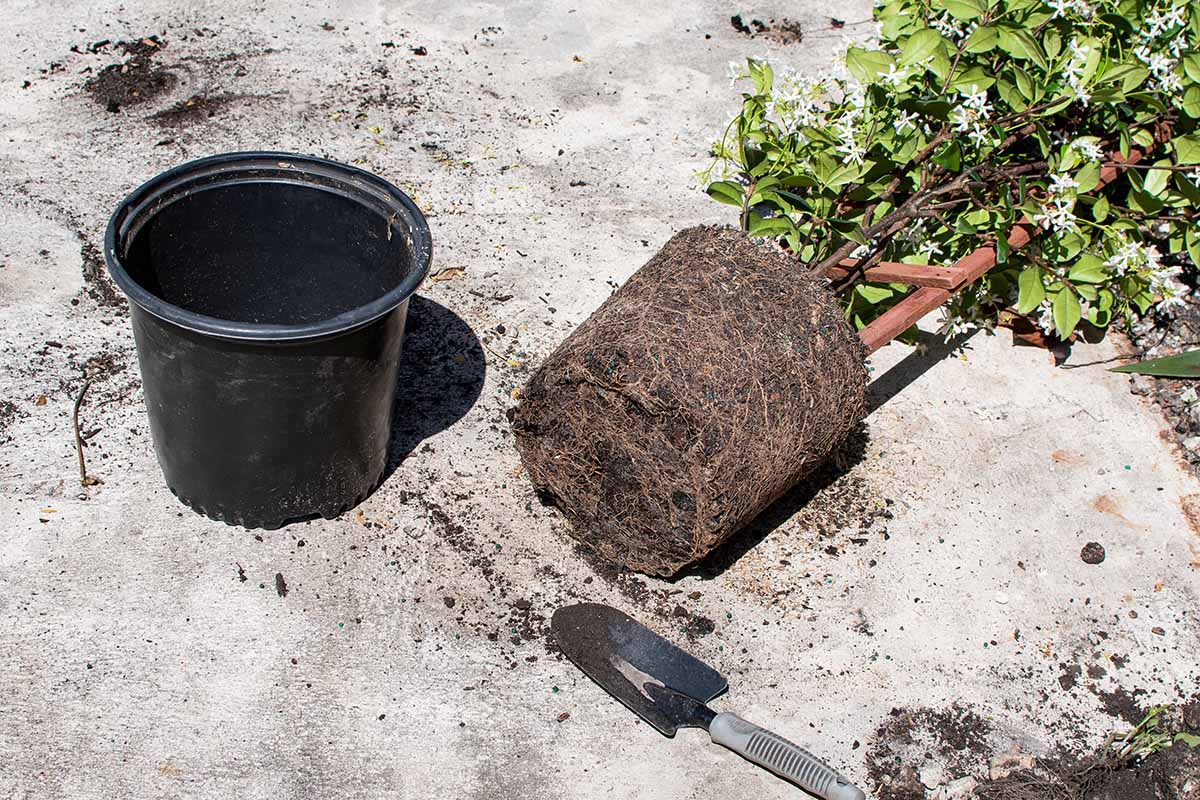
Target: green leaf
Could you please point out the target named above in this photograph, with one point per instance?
(982, 40)
(1156, 179)
(965, 10)
(1192, 239)
(1191, 102)
(1143, 301)
(949, 157)
(873, 294)
(973, 77)
(1088, 177)
(1100, 209)
(1053, 43)
(1190, 739)
(1135, 79)
(1184, 365)
(1187, 149)
(940, 66)
(1099, 317)
(726, 192)
(1024, 83)
(1020, 44)
(1030, 290)
(866, 65)
(1088, 269)
(1191, 66)
(847, 173)
(769, 227)
(920, 46)
(1008, 93)
(1143, 202)
(1066, 313)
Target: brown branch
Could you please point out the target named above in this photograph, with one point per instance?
(84, 478)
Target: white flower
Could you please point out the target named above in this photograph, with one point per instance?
(1151, 257)
(1160, 22)
(1059, 215)
(1074, 70)
(968, 117)
(1194, 177)
(976, 100)
(1061, 7)
(735, 72)
(1045, 319)
(1128, 256)
(929, 248)
(1062, 184)
(1169, 82)
(1088, 147)
(1189, 396)
(908, 120)
(953, 325)
(979, 135)
(1171, 300)
(948, 27)
(894, 76)
(1161, 67)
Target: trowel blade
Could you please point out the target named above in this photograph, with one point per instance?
(622, 655)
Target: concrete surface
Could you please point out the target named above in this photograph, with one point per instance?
(942, 565)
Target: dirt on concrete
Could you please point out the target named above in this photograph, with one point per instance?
(783, 31)
(135, 80)
(195, 109)
(916, 752)
(913, 741)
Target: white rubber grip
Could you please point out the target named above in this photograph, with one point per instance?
(785, 759)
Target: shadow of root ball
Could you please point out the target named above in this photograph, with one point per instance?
(716, 378)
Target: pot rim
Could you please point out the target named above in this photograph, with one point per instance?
(404, 218)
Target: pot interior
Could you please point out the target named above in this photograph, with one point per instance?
(272, 252)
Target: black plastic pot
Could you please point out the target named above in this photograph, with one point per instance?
(268, 293)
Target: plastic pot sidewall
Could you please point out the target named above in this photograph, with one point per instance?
(257, 426)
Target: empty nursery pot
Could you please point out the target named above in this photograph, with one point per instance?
(268, 294)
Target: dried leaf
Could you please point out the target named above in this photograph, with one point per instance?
(449, 273)
(41, 401)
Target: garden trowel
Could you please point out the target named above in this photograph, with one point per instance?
(670, 690)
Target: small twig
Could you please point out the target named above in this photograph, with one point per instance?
(84, 478)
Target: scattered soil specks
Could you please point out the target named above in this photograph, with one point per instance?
(95, 275)
(1068, 676)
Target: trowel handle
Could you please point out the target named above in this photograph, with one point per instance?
(785, 759)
